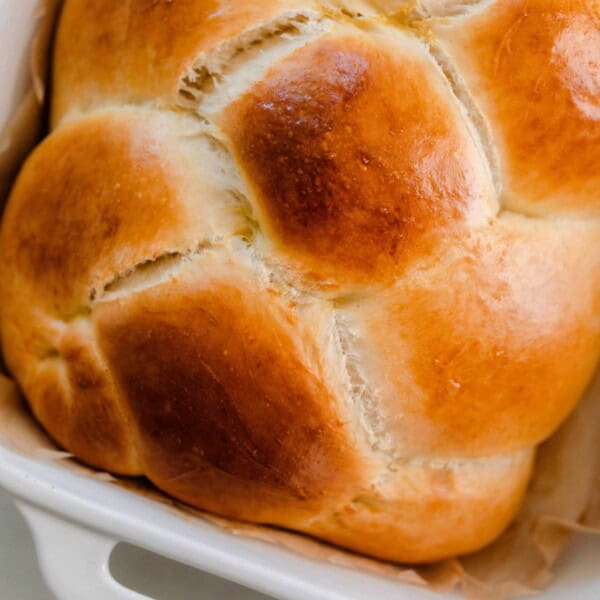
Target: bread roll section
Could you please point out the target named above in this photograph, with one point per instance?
(359, 155)
(533, 69)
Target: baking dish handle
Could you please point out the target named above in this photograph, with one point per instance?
(74, 560)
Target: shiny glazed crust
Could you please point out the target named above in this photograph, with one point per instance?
(328, 266)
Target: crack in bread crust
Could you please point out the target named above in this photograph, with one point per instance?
(147, 273)
(472, 115)
(209, 71)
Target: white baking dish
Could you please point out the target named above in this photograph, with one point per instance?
(77, 521)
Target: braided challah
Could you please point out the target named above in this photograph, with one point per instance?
(333, 266)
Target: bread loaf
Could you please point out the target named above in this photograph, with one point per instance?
(331, 266)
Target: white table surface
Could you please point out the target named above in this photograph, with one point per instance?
(20, 577)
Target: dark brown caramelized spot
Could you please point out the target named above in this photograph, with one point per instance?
(358, 155)
(226, 409)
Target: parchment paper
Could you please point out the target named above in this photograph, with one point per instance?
(564, 495)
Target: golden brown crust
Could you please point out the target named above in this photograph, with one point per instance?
(465, 506)
(301, 305)
(99, 432)
(533, 68)
(359, 156)
(488, 348)
(71, 391)
(146, 47)
(115, 190)
(245, 429)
